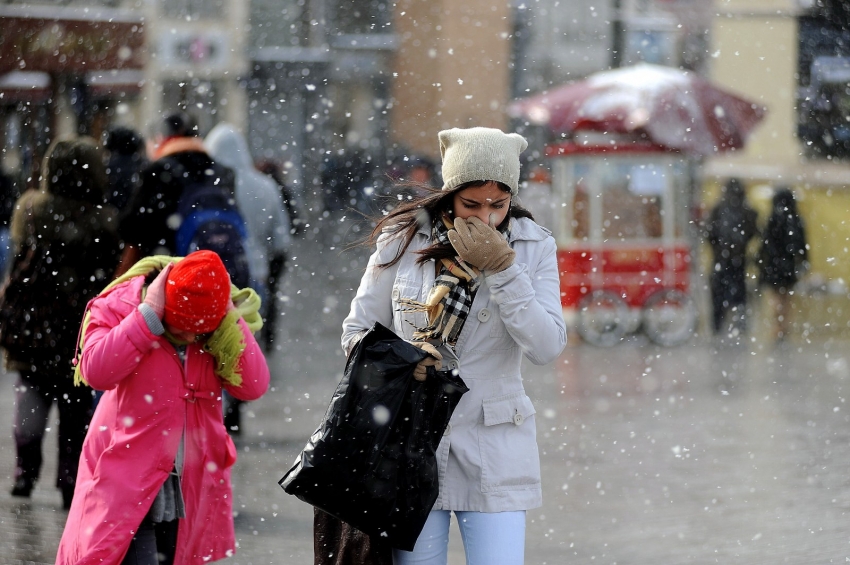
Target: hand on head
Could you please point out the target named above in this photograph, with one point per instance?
(155, 295)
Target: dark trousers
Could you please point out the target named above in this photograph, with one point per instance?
(277, 267)
(153, 544)
(728, 295)
(36, 393)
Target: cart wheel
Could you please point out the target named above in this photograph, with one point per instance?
(601, 318)
(669, 317)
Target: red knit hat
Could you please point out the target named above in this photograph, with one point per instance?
(197, 293)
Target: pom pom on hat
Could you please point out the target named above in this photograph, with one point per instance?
(197, 293)
(480, 154)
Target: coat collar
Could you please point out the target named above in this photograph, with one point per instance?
(174, 145)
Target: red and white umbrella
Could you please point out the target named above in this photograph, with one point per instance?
(674, 108)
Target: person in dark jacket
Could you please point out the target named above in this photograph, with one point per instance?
(731, 226)
(69, 219)
(784, 255)
(149, 223)
(126, 158)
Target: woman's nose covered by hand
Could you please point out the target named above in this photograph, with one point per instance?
(481, 245)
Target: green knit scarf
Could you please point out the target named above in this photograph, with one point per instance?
(226, 343)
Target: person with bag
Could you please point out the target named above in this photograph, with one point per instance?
(65, 249)
(465, 274)
(163, 341)
(185, 202)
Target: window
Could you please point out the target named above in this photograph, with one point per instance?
(361, 17)
(194, 9)
(823, 105)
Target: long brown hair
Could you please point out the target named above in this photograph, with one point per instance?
(416, 212)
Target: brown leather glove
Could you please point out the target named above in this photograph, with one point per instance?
(433, 360)
(481, 245)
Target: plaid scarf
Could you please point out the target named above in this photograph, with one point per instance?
(450, 299)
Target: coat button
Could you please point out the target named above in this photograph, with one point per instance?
(448, 430)
(483, 315)
(396, 294)
(452, 365)
(518, 419)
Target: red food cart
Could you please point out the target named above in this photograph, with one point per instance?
(623, 176)
(623, 248)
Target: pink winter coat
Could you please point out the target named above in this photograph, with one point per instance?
(151, 401)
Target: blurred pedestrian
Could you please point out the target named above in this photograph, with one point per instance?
(260, 202)
(467, 275)
(277, 266)
(423, 171)
(125, 149)
(258, 199)
(347, 182)
(66, 247)
(273, 169)
(414, 176)
(731, 226)
(149, 223)
(162, 341)
(784, 255)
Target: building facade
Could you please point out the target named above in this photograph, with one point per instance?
(64, 68)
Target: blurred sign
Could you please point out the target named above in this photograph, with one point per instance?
(192, 49)
(57, 45)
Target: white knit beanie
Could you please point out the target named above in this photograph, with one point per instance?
(480, 154)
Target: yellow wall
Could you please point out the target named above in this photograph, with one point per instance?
(754, 53)
(756, 56)
(827, 222)
(451, 69)
(816, 309)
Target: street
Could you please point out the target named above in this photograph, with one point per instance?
(705, 453)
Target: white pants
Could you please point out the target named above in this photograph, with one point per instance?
(489, 538)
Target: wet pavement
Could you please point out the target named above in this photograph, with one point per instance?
(706, 453)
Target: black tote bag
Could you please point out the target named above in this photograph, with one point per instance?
(371, 462)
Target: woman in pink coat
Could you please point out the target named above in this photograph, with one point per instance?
(154, 474)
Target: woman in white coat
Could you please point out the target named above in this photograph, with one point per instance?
(466, 274)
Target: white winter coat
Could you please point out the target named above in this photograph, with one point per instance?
(488, 459)
(257, 196)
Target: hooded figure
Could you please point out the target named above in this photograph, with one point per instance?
(731, 226)
(258, 199)
(68, 222)
(784, 255)
(261, 204)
